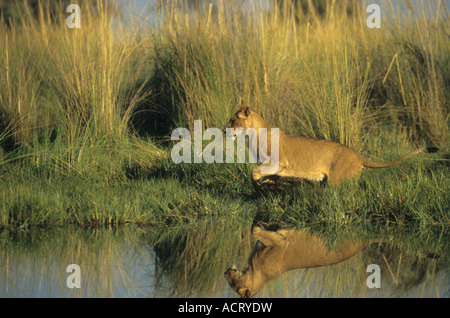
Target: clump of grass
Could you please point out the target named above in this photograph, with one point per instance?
(68, 95)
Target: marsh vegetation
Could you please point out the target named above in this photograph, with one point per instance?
(86, 114)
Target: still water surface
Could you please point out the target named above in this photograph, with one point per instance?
(191, 261)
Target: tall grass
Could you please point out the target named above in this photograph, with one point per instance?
(327, 76)
(320, 74)
(68, 94)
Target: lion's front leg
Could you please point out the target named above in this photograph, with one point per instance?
(268, 238)
(256, 176)
(268, 179)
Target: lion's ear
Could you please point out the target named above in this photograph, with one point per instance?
(244, 111)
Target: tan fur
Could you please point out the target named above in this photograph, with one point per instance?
(277, 252)
(307, 158)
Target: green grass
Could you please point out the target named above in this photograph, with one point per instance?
(172, 195)
(86, 115)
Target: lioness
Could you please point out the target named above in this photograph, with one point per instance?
(277, 252)
(305, 158)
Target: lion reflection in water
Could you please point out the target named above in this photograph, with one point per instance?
(277, 252)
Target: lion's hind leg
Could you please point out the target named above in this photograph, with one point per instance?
(345, 169)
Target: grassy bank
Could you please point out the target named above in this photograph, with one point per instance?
(86, 114)
(174, 195)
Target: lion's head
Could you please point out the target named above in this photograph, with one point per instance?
(238, 120)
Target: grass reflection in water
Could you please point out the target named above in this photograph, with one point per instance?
(190, 261)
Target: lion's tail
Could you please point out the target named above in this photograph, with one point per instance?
(369, 164)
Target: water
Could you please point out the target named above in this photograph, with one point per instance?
(191, 261)
(144, 11)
